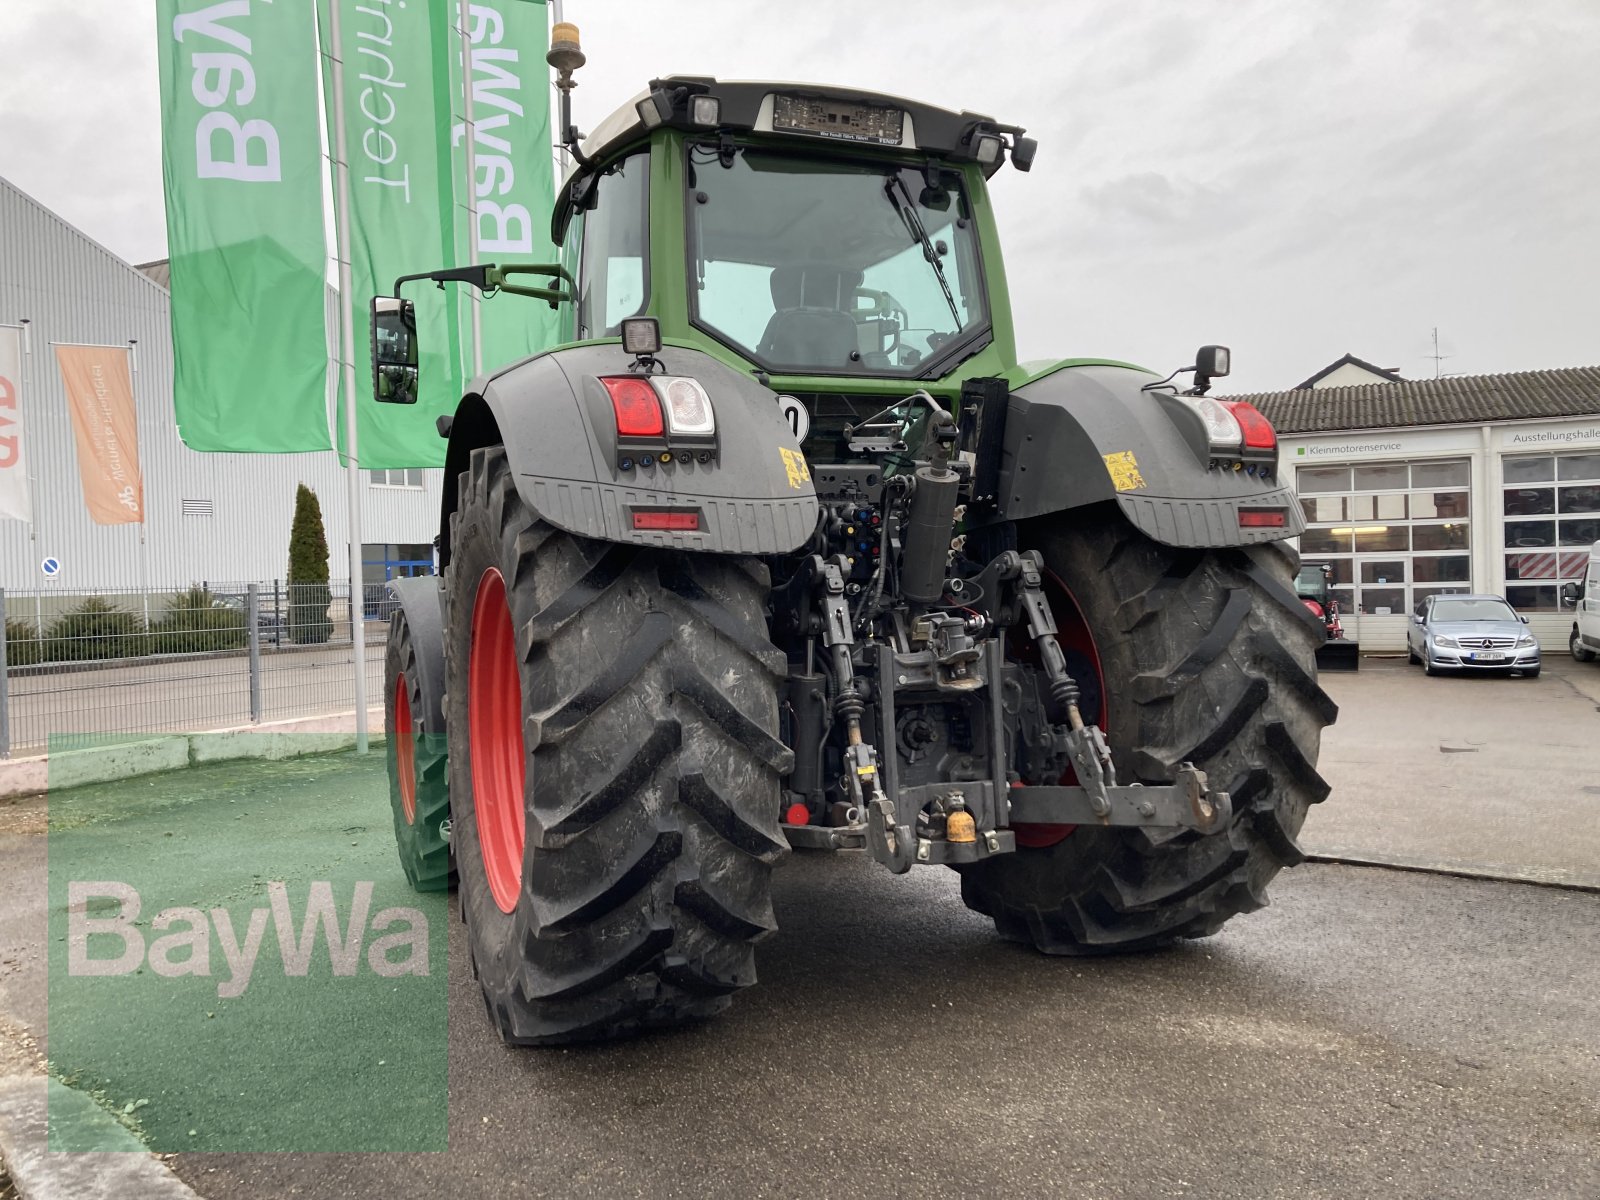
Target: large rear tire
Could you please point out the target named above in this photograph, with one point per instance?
(1206, 656)
(616, 770)
(419, 785)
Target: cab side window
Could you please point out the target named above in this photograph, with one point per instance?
(613, 277)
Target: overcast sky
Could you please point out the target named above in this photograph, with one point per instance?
(1294, 178)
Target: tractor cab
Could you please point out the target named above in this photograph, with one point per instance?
(793, 230)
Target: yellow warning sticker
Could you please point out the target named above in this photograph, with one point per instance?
(1124, 469)
(794, 466)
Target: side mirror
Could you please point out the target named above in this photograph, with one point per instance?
(1571, 593)
(1524, 620)
(394, 351)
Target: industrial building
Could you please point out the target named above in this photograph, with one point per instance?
(1476, 483)
(208, 517)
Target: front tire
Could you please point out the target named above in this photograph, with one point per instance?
(616, 770)
(1205, 656)
(419, 785)
(1579, 651)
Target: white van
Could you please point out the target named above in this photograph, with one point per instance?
(1585, 598)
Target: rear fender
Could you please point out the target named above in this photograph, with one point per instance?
(554, 418)
(1087, 434)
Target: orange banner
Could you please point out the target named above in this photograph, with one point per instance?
(100, 396)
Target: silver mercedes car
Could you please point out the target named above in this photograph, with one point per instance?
(1469, 634)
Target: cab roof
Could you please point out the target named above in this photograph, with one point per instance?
(747, 106)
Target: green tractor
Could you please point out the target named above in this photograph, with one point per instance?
(782, 548)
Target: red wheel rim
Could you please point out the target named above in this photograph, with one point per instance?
(405, 750)
(1072, 631)
(494, 735)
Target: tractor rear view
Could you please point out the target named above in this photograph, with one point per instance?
(782, 548)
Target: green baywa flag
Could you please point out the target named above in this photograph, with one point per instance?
(513, 182)
(397, 115)
(243, 167)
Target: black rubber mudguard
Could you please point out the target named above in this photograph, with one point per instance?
(422, 600)
(1086, 434)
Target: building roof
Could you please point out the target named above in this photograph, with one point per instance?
(160, 271)
(1350, 360)
(1462, 400)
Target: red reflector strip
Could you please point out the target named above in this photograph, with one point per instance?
(1262, 518)
(679, 522)
(637, 408)
(1258, 431)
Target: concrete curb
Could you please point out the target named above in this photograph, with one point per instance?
(1531, 876)
(106, 1162)
(150, 754)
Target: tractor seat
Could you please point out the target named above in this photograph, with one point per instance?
(812, 324)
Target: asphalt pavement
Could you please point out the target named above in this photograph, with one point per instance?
(1372, 1033)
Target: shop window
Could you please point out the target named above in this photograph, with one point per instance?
(1383, 601)
(1383, 477)
(1442, 568)
(1323, 508)
(1578, 466)
(1443, 505)
(1529, 470)
(1412, 519)
(1580, 533)
(1530, 533)
(1452, 474)
(1571, 509)
(1391, 507)
(1325, 541)
(1381, 538)
(1530, 502)
(1531, 599)
(1322, 479)
(1579, 499)
(1450, 536)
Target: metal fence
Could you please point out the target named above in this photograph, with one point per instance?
(212, 655)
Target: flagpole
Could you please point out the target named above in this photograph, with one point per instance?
(472, 179)
(341, 166)
(144, 549)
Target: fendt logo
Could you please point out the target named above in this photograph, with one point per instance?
(186, 950)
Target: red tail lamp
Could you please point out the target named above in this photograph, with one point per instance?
(1258, 431)
(1262, 518)
(637, 407)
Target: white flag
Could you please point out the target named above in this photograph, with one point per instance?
(13, 470)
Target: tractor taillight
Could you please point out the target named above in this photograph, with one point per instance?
(636, 405)
(1258, 431)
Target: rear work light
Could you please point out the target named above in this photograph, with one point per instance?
(1258, 431)
(637, 407)
(674, 521)
(1262, 518)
